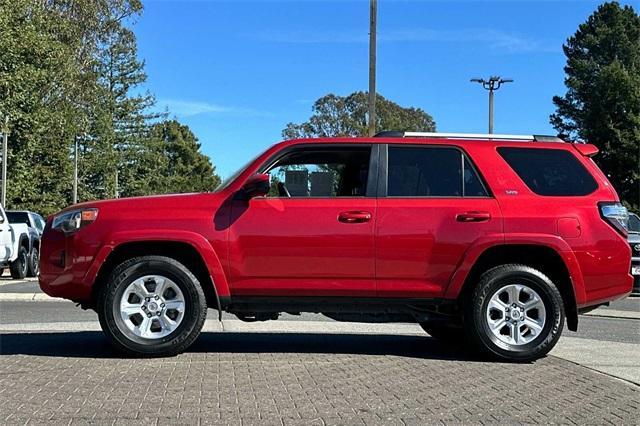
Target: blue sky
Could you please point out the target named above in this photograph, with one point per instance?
(238, 71)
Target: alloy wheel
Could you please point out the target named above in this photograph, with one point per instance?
(152, 307)
(516, 314)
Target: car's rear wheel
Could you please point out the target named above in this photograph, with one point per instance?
(515, 313)
(34, 263)
(18, 267)
(152, 306)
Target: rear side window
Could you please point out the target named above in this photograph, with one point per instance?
(550, 172)
(431, 172)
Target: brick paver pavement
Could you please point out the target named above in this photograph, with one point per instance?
(232, 378)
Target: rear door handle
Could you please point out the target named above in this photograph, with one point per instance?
(473, 216)
(354, 217)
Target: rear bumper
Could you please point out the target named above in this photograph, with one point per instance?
(606, 272)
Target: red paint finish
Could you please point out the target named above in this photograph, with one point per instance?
(420, 241)
(374, 246)
(284, 246)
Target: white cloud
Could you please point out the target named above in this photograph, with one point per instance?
(189, 108)
(494, 39)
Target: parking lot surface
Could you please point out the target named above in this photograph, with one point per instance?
(250, 378)
(57, 367)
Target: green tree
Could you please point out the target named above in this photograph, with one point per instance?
(37, 70)
(335, 115)
(115, 153)
(69, 71)
(602, 103)
(181, 167)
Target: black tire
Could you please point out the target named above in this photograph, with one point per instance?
(34, 263)
(178, 340)
(19, 266)
(477, 327)
(444, 332)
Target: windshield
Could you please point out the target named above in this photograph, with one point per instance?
(634, 223)
(233, 177)
(18, 217)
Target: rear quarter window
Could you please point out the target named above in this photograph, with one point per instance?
(550, 172)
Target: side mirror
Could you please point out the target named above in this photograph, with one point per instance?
(257, 185)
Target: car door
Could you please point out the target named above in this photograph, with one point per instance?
(5, 237)
(312, 235)
(433, 207)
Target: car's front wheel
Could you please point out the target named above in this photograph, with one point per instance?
(152, 306)
(515, 313)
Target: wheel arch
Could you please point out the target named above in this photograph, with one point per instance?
(558, 265)
(202, 262)
(24, 242)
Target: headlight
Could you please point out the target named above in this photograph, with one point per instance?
(71, 221)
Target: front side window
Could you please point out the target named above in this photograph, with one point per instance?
(550, 172)
(431, 172)
(321, 172)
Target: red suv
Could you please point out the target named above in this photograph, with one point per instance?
(488, 239)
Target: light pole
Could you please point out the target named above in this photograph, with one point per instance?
(5, 153)
(492, 84)
(75, 171)
(373, 16)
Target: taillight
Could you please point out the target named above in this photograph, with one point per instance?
(616, 215)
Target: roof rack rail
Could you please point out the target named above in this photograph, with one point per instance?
(471, 136)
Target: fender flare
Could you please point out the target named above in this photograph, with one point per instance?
(23, 237)
(553, 242)
(195, 240)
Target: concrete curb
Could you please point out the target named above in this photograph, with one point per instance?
(29, 297)
(613, 313)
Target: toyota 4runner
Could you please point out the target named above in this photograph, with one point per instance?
(491, 240)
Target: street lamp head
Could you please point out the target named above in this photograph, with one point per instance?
(477, 80)
(506, 80)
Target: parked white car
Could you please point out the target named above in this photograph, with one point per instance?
(14, 246)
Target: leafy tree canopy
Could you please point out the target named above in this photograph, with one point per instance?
(70, 73)
(602, 103)
(335, 115)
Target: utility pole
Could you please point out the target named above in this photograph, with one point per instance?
(75, 172)
(373, 16)
(5, 153)
(492, 84)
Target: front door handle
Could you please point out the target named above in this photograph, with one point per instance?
(354, 217)
(473, 216)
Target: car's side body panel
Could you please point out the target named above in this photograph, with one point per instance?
(298, 246)
(420, 242)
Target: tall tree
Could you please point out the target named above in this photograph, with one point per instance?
(121, 112)
(180, 166)
(602, 103)
(335, 115)
(37, 70)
